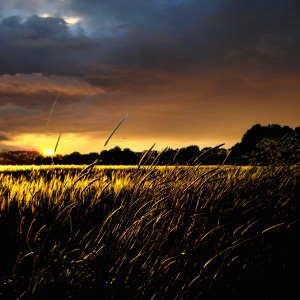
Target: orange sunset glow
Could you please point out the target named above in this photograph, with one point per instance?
(49, 152)
(185, 72)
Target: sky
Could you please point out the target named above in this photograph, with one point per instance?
(186, 72)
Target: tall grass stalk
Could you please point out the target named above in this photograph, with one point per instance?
(52, 109)
(115, 130)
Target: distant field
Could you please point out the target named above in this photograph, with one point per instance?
(15, 168)
(149, 232)
(22, 182)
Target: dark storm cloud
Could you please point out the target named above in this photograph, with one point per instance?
(47, 27)
(13, 21)
(169, 36)
(37, 27)
(199, 33)
(41, 45)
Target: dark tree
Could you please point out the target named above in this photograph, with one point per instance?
(104, 157)
(75, 158)
(46, 160)
(242, 151)
(112, 156)
(129, 157)
(297, 131)
(212, 157)
(167, 157)
(187, 155)
(38, 159)
(115, 155)
(90, 158)
(283, 150)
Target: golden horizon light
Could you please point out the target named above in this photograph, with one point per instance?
(49, 152)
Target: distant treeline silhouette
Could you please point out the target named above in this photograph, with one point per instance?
(260, 145)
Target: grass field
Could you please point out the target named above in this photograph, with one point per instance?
(149, 232)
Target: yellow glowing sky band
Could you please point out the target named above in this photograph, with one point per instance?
(49, 152)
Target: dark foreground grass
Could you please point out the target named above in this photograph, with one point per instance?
(183, 233)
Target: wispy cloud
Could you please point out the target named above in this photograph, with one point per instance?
(37, 83)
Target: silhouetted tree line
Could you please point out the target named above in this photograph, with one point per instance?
(265, 145)
(20, 157)
(260, 145)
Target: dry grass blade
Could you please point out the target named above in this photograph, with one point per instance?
(30, 229)
(83, 173)
(115, 211)
(272, 227)
(99, 198)
(157, 157)
(175, 155)
(115, 130)
(226, 157)
(208, 151)
(57, 143)
(86, 187)
(292, 223)
(86, 171)
(52, 109)
(198, 178)
(88, 168)
(144, 156)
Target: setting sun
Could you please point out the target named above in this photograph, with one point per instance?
(49, 152)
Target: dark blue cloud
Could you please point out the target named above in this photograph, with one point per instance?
(47, 27)
(138, 37)
(12, 21)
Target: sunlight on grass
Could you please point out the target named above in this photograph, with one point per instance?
(121, 228)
